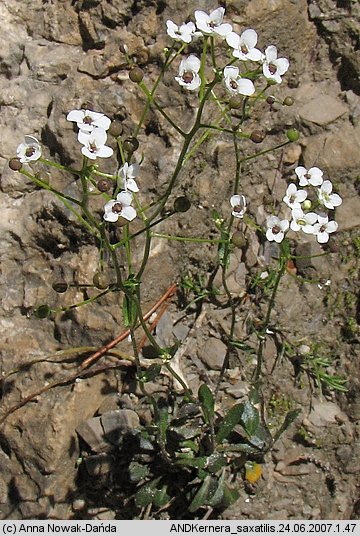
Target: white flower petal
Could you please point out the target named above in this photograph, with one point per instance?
(326, 187)
(129, 213)
(231, 72)
(255, 55)
(104, 151)
(125, 198)
(131, 185)
(282, 65)
(233, 40)
(75, 115)
(217, 15)
(192, 63)
(322, 237)
(223, 30)
(245, 87)
(89, 154)
(111, 217)
(271, 53)
(249, 37)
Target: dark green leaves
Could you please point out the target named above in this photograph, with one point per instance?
(231, 419)
(207, 403)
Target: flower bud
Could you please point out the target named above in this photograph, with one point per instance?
(307, 204)
(288, 101)
(124, 48)
(270, 100)
(116, 129)
(43, 311)
(60, 286)
(131, 145)
(293, 134)
(104, 185)
(239, 239)
(136, 74)
(87, 106)
(235, 102)
(257, 136)
(182, 204)
(15, 164)
(101, 280)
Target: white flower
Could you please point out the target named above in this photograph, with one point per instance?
(326, 197)
(94, 143)
(121, 206)
(244, 45)
(188, 73)
(274, 67)
(184, 33)
(323, 228)
(303, 221)
(313, 176)
(294, 197)
(213, 23)
(127, 174)
(29, 151)
(238, 202)
(276, 229)
(237, 85)
(87, 120)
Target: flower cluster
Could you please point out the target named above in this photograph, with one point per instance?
(317, 197)
(243, 48)
(121, 206)
(92, 132)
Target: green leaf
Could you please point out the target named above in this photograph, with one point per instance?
(230, 496)
(161, 497)
(242, 346)
(231, 419)
(145, 495)
(207, 403)
(215, 462)
(218, 495)
(203, 495)
(137, 471)
(129, 311)
(250, 419)
(199, 463)
(151, 372)
(289, 418)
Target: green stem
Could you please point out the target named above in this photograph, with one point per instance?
(189, 239)
(65, 199)
(84, 302)
(282, 268)
(59, 166)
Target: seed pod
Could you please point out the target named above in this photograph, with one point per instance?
(293, 134)
(239, 239)
(136, 74)
(15, 164)
(131, 145)
(43, 311)
(235, 102)
(182, 204)
(104, 185)
(60, 286)
(116, 129)
(101, 280)
(87, 105)
(257, 136)
(288, 101)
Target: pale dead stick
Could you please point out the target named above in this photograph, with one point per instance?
(88, 361)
